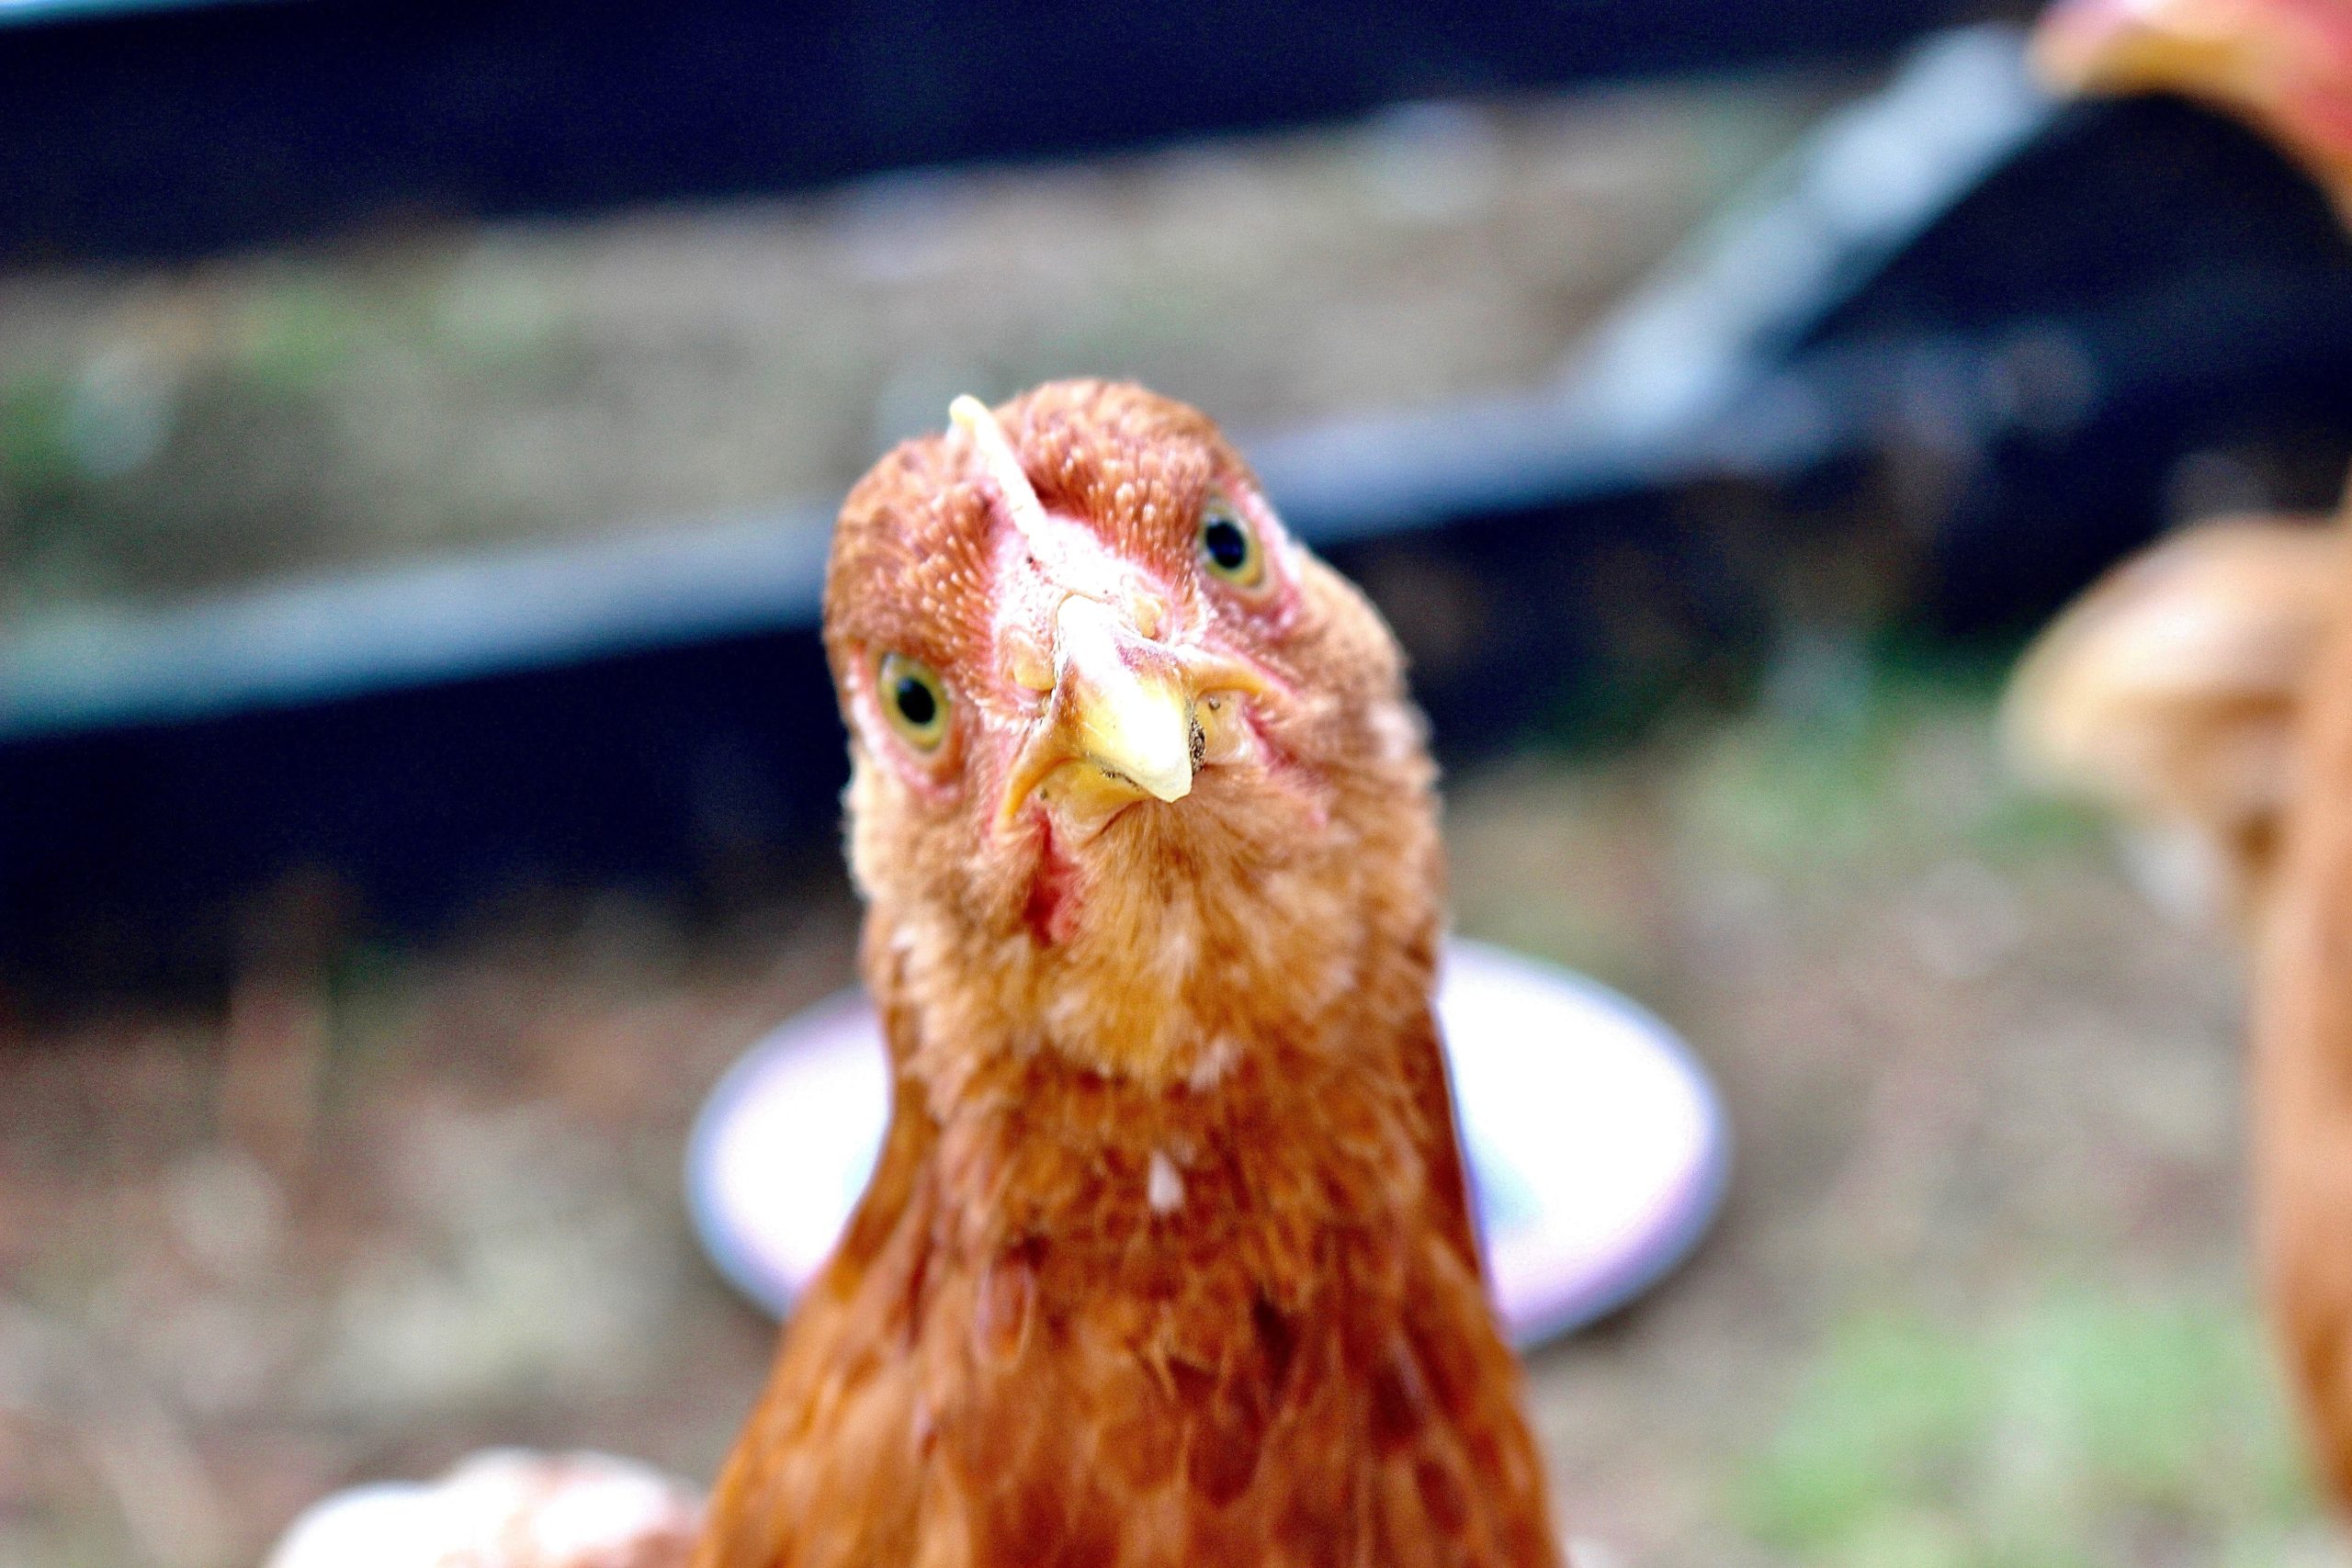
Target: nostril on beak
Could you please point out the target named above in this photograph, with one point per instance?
(1029, 661)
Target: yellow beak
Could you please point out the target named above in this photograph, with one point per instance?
(1119, 726)
(1130, 718)
(1124, 704)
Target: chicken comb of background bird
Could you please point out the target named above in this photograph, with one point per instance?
(2286, 65)
(1168, 1258)
(2168, 694)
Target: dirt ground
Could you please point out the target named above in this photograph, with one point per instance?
(1978, 1297)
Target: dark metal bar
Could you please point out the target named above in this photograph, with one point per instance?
(177, 131)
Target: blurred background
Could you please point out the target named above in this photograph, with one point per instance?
(419, 424)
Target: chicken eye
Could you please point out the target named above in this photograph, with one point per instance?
(1229, 547)
(915, 700)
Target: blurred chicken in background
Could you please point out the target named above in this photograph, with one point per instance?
(2170, 693)
(2204, 692)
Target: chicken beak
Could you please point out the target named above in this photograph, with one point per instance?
(1125, 702)
(1122, 709)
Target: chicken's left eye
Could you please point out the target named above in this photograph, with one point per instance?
(1229, 547)
(914, 699)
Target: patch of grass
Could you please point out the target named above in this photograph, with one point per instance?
(299, 334)
(2080, 1429)
(1907, 766)
(34, 451)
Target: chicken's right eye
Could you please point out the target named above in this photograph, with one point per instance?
(914, 699)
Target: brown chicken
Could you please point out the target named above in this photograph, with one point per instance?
(1168, 1255)
(2236, 705)
(2303, 1029)
(2170, 693)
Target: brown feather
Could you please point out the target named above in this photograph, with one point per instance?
(2303, 1088)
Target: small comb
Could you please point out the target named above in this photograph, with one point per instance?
(973, 417)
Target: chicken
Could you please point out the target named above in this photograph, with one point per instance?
(2169, 694)
(2210, 684)
(1168, 1256)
